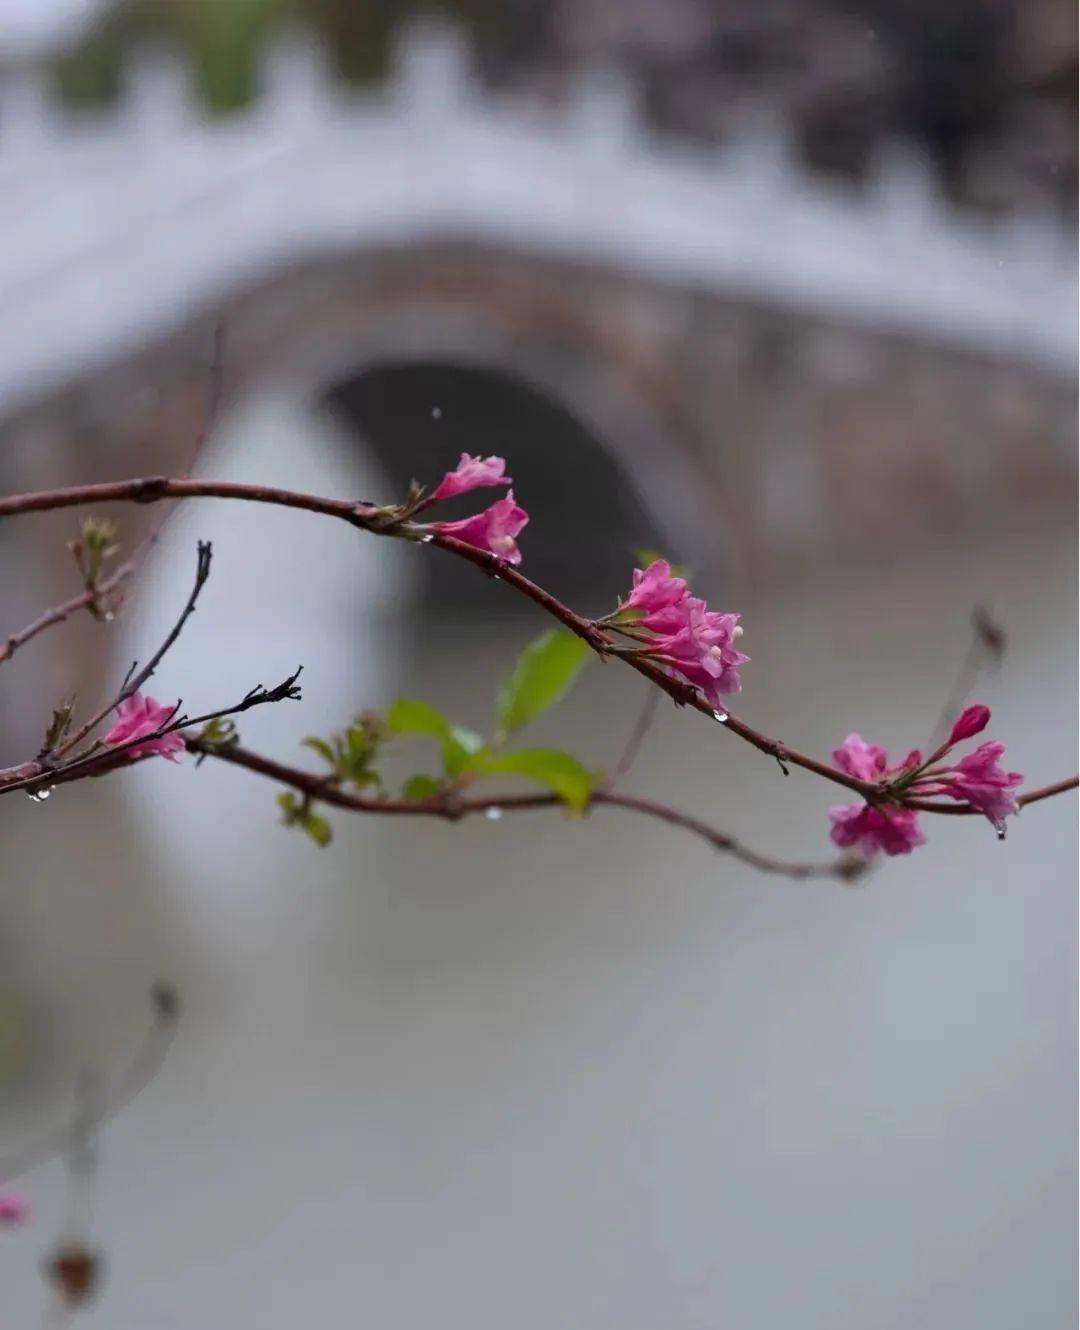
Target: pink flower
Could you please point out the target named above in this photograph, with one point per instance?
(139, 715)
(471, 473)
(493, 530)
(870, 828)
(655, 589)
(14, 1208)
(873, 827)
(702, 650)
(977, 780)
(860, 759)
(985, 785)
(686, 637)
(971, 722)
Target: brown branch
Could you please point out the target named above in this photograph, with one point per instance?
(635, 739)
(452, 808)
(37, 776)
(91, 596)
(370, 517)
(965, 810)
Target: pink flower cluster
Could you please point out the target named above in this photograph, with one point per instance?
(977, 780)
(138, 716)
(14, 1208)
(494, 530)
(684, 635)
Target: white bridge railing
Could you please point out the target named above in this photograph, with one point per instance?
(113, 228)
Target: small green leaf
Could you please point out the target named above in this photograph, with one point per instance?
(323, 749)
(407, 715)
(290, 806)
(318, 829)
(560, 772)
(219, 730)
(420, 787)
(460, 746)
(543, 674)
(59, 725)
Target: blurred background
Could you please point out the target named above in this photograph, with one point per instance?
(784, 289)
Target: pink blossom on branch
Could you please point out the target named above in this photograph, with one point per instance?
(858, 758)
(703, 650)
(471, 473)
(685, 636)
(14, 1208)
(494, 530)
(654, 589)
(977, 780)
(870, 828)
(980, 781)
(138, 716)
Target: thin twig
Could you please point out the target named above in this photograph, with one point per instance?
(987, 647)
(91, 596)
(34, 777)
(965, 810)
(636, 738)
(453, 808)
(215, 397)
(143, 1067)
(137, 678)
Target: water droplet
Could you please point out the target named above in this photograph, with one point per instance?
(493, 813)
(426, 539)
(38, 796)
(1001, 833)
(436, 413)
(720, 716)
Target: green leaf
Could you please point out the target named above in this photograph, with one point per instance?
(407, 715)
(420, 787)
(543, 674)
(318, 829)
(323, 749)
(460, 746)
(560, 772)
(290, 807)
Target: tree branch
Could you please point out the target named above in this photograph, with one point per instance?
(965, 810)
(91, 596)
(372, 518)
(452, 808)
